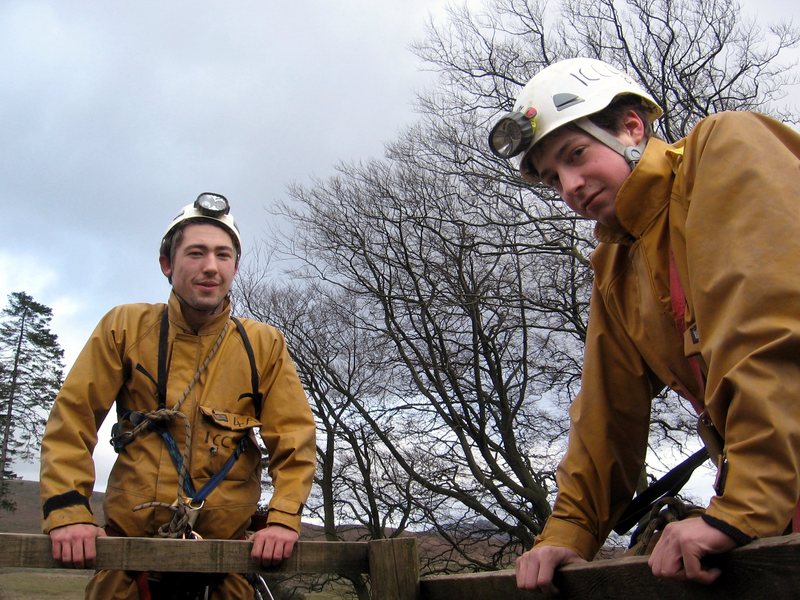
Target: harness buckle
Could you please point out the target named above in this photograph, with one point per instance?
(119, 438)
(191, 510)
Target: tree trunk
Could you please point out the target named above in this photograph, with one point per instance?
(11, 392)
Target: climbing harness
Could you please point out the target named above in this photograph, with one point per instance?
(189, 500)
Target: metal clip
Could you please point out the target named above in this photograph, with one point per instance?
(120, 439)
(192, 511)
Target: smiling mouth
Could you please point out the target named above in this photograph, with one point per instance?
(588, 204)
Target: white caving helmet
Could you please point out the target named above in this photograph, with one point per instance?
(209, 207)
(566, 92)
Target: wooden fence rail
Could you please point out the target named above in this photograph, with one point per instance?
(393, 565)
(767, 568)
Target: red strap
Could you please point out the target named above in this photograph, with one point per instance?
(796, 519)
(678, 299)
(144, 586)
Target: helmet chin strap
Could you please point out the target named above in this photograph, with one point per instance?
(631, 154)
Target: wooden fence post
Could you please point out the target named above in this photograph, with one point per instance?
(394, 569)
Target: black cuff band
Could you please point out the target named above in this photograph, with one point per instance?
(63, 501)
(737, 536)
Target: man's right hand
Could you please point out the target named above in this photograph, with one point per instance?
(74, 545)
(535, 568)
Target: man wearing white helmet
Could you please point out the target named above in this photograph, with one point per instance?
(697, 287)
(191, 382)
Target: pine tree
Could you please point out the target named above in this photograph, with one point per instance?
(31, 373)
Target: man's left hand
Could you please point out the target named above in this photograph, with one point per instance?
(273, 544)
(683, 543)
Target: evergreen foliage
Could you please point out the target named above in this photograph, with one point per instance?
(31, 373)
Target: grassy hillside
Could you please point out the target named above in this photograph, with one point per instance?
(28, 516)
(28, 584)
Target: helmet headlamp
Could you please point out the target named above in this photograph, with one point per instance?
(568, 91)
(512, 134)
(212, 205)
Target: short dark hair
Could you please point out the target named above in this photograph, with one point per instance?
(610, 118)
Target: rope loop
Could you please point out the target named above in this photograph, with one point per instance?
(665, 511)
(184, 516)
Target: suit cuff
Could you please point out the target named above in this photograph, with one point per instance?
(285, 512)
(566, 534)
(736, 535)
(60, 516)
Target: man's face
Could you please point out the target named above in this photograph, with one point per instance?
(202, 270)
(586, 173)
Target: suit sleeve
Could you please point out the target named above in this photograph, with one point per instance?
(289, 433)
(67, 474)
(607, 438)
(742, 184)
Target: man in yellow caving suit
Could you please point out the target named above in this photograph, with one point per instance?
(191, 383)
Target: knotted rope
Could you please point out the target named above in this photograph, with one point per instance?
(183, 513)
(665, 511)
(183, 519)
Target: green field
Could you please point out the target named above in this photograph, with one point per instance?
(44, 584)
(30, 584)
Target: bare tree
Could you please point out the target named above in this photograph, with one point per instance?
(439, 309)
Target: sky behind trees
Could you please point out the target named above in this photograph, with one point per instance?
(116, 114)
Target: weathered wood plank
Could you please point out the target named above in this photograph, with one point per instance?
(201, 556)
(767, 568)
(394, 569)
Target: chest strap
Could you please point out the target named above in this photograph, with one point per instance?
(146, 421)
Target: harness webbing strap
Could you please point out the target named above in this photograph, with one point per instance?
(669, 485)
(204, 491)
(248, 347)
(188, 484)
(163, 338)
(144, 586)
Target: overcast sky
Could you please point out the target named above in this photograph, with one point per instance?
(115, 114)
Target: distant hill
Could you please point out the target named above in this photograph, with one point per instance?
(28, 519)
(28, 516)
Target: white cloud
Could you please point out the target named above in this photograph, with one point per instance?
(20, 272)
(115, 114)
